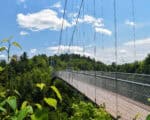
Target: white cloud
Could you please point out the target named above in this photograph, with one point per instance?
(33, 51)
(96, 22)
(130, 23)
(140, 42)
(45, 19)
(65, 49)
(2, 56)
(57, 5)
(72, 49)
(103, 31)
(48, 19)
(126, 52)
(23, 33)
(123, 51)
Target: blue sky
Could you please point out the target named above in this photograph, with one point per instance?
(36, 25)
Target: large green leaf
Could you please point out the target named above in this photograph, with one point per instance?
(12, 101)
(57, 92)
(51, 102)
(40, 85)
(25, 112)
(2, 48)
(16, 45)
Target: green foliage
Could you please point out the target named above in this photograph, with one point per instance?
(23, 113)
(51, 102)
(26, 110)
(148, 117)
(24, 104)
(57, 92)
(9, 43)
(3, 109)
(12, 102)
(36, 96)
(86, 111)
(2, 48)
(40, 115)
(16, 45)
(1, 69)
(77, 62)
(40, 85)
(38, 106)
(16, 114)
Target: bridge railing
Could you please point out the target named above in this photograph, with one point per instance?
(133, 86)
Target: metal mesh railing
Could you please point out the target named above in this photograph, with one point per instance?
(133, 86)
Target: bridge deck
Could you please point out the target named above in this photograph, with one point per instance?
(126, 107)
(116, 104)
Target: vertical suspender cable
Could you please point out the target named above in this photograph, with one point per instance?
(95, 56)
(116, 52)
(133, 20)
(134, 44)
(102, 16)
(83, 67)
(102, 35)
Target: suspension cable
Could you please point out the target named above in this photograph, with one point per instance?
(116, 52)
(133, 20)
(94, 39)
(75, 27)
(102, 16)
(62, 27)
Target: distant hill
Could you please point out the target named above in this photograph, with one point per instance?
(77, 62)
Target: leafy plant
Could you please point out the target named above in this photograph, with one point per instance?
(26, 110)
(1, 69)
(40, 85)
(86, 111)
(148, 117)
(51, 102)
(57, 92)
(9, 43)
(15, 114)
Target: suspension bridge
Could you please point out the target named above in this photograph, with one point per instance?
(125, 95)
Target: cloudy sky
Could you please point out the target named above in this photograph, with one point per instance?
(36, 25)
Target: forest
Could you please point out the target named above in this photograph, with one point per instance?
(27, 92)
(78, 62)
